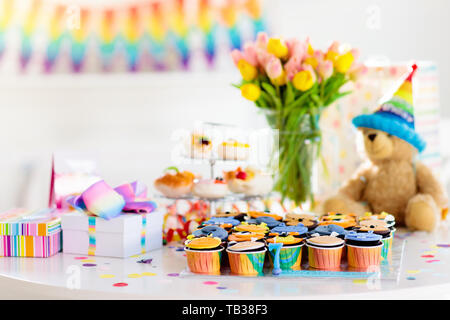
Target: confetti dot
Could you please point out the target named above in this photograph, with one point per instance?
(360, 281)
(221, 288)
(148, 274)
(412, 271)
(173, 274)
(427, 256)
(89, 264)
(432, 261)
(80, 258)
(120, 284)
(443, 245)
(411, 278)
(87, 260)
(210, 283)
(106, 276)
(134, 275)
(135, 256)
(146, 261)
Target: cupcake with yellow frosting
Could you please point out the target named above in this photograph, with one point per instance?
(204, 255)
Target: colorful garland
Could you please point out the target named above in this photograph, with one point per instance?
(151, 35)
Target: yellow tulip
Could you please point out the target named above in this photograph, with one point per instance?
(312, 62)
(344, 62)
(280, 80)
(248, 72)
(310, 49)
(277, 48)
(250, 91)
(303, 80)
(332, 56)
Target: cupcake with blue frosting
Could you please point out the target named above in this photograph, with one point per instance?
(363, 249)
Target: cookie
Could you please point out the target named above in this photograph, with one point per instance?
(203, 243)
(286, 241)
(325, 241)
(245, 236)
(246, 246)
(256, 214)
(308, 220)
(214, 231)
(257, 228)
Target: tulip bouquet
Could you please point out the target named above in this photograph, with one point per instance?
(293, 83)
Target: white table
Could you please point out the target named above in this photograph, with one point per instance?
(425, 273)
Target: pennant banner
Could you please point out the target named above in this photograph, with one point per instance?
(53, 36)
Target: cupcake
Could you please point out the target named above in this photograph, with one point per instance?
(210, 188)
(378, 227)
(308, 220)
(228, 214)
(347, 221)
(257, 228)
(247, 258)
(257, 214)
(175, 184)
(211, 231)
(233, 150)
(251, 181)
(325, 252)
(246, 236)
(199, 146)
(299, 230)
(327, 230)
(225, 223)
(204, 255)
(290, 254)
(363, 249)
(383, 216)
(269, 221)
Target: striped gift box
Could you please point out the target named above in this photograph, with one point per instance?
(25, 233)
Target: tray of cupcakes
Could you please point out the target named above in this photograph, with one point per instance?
(296, 245)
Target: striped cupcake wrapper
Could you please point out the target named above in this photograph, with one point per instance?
(325, 258)
(247, 263)
(386, 250)
(290, 257)
(363, 257)
(204, 262)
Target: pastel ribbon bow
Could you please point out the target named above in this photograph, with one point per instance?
(105, 202)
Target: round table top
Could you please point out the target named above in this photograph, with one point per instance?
(424, 273)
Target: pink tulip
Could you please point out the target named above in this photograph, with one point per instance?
(274, 69)
(325, 69)
(261, 40)
(293, 66)
(296, 48)
(236, 55)
(334, 47)
(250, 54)
(263, 56)
(355, 52)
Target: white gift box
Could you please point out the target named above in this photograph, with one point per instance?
(124, 236)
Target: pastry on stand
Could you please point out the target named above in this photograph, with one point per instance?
(251, 181)
(233, 150)
(210, 188)
(175, 184)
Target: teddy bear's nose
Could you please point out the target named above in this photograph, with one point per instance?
(372, 136)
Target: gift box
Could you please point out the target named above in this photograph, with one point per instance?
(122, 236)
(25, 233)
(343, 153)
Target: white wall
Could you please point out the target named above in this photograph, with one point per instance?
(128, 119)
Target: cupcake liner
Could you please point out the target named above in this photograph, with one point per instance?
(204, 262)
(325, 258)
(290, 257)
(247, 263)
(386, 250)
(363, 257)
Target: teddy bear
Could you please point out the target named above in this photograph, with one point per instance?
(393, 180)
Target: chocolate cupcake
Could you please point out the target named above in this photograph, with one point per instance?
(235, 215)
(269, 221)
(327, 230)
(363, 249)
(211, 230)
(299, 230)
(226, 223)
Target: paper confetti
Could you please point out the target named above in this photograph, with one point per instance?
(80, 258)
(443, 245)
(210, 282)
(89, 265)
(106, 276)
(410, 278)
(412, 271)
(146, 261)
(360, 281)
(173, 274)
(427, 256)
(432, 261)
(120, 284)
(134, 275)
(148, 274)
(87, 260)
